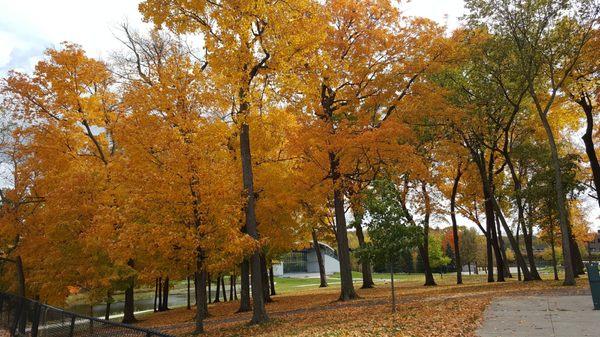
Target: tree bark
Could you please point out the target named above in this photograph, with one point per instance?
(156, 294)
(588, 140)
(552, 244)
(489, 257)
(218, 291)
(224, 289)
(109, 300)
(347, 287)
(259, 313)
(392, 285)
(231, 285)
(514, 244)
(209, 282)
(160, 294)
(322, 274)
(578, 265)
(424, 247)
(367, 277)
(527, 238)
(200, 276)
(502, 247)
(265, 279)
(455, 226)
(272, 280)
(487, 178)
(189, 294)
(128, 309)
(166, 295)
(560, 198)
(245, 287)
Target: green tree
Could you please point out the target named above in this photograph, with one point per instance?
(391, 234)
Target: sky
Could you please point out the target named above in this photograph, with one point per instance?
(28, 27)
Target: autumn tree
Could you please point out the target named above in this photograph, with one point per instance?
(244, 42)
(547, 38)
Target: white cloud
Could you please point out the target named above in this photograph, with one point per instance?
(446, 12)
(28, 27)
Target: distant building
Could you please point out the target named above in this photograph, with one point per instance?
(594, 245)
(305, 261)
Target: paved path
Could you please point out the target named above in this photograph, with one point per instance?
(541, 316)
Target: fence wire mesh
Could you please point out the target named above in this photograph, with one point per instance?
(24, 317)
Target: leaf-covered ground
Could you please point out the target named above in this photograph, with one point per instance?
(445, 310)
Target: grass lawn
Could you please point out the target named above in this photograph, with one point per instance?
(285, 285)
(445, 310)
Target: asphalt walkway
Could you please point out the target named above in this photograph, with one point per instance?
(541, 316)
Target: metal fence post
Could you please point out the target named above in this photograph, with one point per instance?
(16, 316)
(35, 320)
(72, 329)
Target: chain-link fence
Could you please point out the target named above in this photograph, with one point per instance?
(24, 317)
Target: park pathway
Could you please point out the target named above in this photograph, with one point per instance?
(541, 316)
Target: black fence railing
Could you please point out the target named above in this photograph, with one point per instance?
(24, 317)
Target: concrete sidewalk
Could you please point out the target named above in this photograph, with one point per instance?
(541, 316)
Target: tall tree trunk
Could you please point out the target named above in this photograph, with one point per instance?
(189, 294)
(560, 198)
(586, 104)
(245, 287)
(347, 287)
(109, 300)
(517, 238)
(156, 294)
(487, 179)
(264, 275)
(528, 240)
(200, 277)
(166, 295)
(272, 279)
(502, 247)
(209, 282)
(517, 186)
(235, 288)
(160, 293)
(578, 265)
(218, 291)
(259, 313)
(424, 247)
(514, 244)
(489, 257)
(129, 307)
(322, 275)
(224, 289)
(552, 245)
(367, 277)
(392, 285)
(231, 285)
(455, 226)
